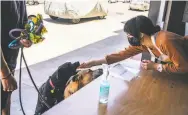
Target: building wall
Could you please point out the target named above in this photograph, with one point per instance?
(177, 19)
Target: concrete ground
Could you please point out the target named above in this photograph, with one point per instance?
(90, 39)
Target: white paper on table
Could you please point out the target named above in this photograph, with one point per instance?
(130, 63)
(122, 72)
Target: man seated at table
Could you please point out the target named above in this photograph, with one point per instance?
(169, 50)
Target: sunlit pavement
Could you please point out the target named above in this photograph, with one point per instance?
(90, 39)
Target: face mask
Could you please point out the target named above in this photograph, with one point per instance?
(134, 41)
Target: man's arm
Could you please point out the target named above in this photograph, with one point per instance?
(5, 71)
(7, 79)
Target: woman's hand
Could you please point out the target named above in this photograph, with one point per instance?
(26, 43)
(88, 64)
(149, 65)
(93, 63)
(9, 83)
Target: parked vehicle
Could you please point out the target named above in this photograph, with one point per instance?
(32, 2)
(75, 10)
(124, 1)
(142, 5)
(115, 1)
(112, 1)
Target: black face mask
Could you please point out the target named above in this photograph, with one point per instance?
(134, 41)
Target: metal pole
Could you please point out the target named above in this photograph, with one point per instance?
(160, 21)
(167, 15)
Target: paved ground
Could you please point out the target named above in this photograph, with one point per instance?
(91, 39)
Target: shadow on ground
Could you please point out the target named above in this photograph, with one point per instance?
(68, 21)
(137, 10)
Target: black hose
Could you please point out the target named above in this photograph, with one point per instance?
(20, 74)
(20, 78)
(43, 101)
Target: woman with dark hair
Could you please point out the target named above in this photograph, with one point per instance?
(169, 51)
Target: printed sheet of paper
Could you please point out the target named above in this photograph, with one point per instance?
(126, 70)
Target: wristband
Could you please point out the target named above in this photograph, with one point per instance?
(7, 76)
(160, 68)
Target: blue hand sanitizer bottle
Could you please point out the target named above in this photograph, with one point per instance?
(104, 85)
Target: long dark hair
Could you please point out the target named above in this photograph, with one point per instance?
(139, 24)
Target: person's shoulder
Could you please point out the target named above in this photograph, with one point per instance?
(164, 37)
(163, 33)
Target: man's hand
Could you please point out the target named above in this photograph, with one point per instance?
(9, 84)
(149, 65)
(26, 43)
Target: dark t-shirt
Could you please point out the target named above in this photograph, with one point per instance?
(13, 15)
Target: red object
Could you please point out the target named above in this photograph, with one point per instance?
(52, 84)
